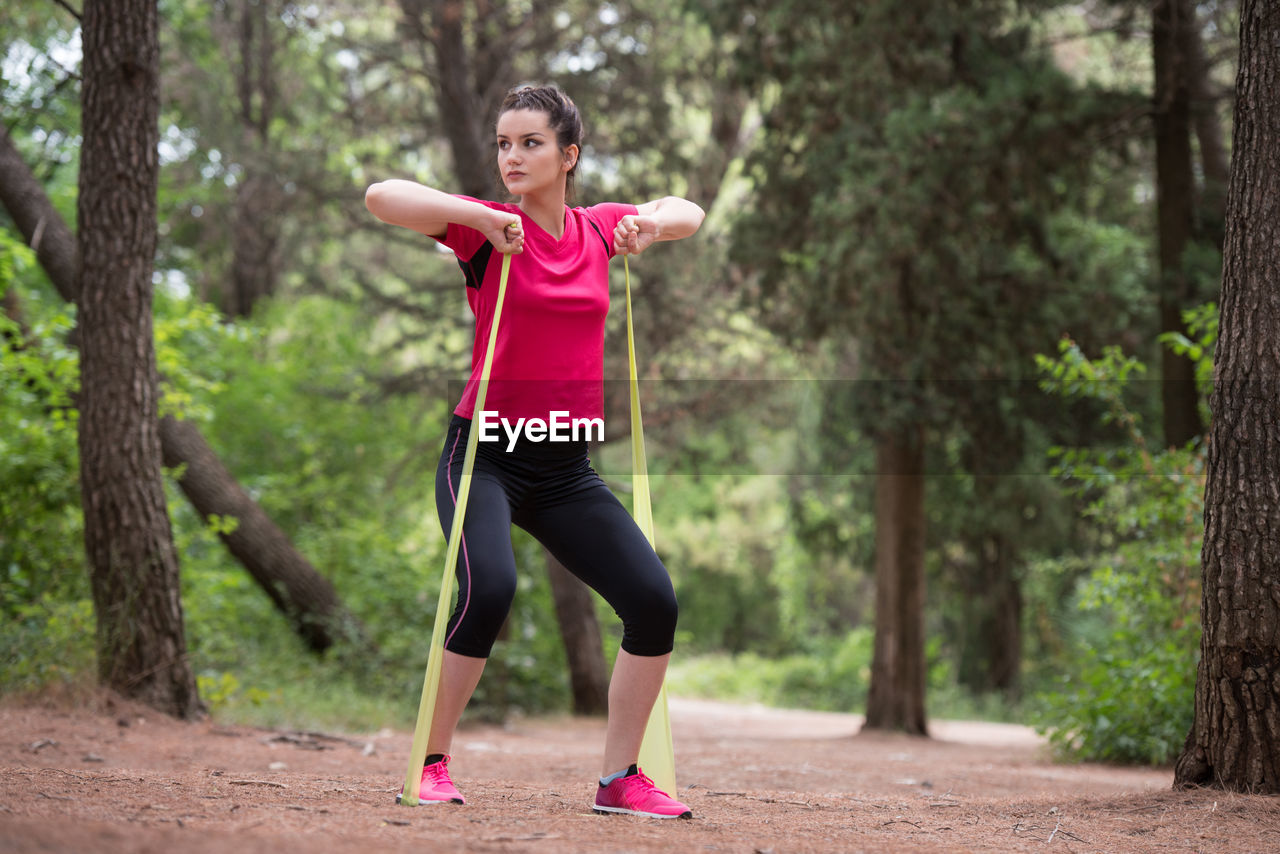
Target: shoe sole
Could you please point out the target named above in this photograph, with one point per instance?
(622, 811)
(421, 802)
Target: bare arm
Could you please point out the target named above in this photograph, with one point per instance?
(430, 211)
(668, 218)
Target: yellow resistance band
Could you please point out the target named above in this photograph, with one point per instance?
(657, 751)
(431, 684)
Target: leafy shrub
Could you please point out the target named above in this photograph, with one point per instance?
(41, 542)
(1127, 681)
(47, 643)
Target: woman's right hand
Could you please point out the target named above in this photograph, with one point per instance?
(506, 234)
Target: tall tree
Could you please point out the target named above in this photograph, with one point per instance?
(133, 564)
(1234, 742)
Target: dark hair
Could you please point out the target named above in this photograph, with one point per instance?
(562, 116)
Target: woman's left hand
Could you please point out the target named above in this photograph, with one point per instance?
(635, 234)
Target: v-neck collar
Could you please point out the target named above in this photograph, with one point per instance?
(557, 243)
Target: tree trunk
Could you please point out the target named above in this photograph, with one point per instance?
(580, 631)
(1175, 201)
(1234, 742)
(1005, 642)
(1213, 153)
(256, 231)
(133, 565)
(895, 700)
(255, 223)
(991, 606)
(282, 572)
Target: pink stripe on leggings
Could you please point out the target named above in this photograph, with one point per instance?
(466, 561)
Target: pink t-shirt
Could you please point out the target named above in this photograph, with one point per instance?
(549, 355)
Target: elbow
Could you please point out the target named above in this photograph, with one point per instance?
(693, 215)
(375, 198)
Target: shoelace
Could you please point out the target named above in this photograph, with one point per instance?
(642, 785)
(439, 772)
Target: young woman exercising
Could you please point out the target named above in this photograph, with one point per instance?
(548, 364)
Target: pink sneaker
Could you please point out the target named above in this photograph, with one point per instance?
(635, 794)
(436, 787)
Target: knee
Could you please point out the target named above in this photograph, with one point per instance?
(489, 600)
(478, 617)
(649, 625)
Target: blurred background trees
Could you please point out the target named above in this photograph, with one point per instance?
(900, 387)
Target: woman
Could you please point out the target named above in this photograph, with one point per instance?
(548, 362)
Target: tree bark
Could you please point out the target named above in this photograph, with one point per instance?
(133, 564)
(282, 572)
(895, 700)
(580, 631)
(1175, 202)
(1234, 742)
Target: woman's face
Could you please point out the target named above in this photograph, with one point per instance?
(529, 157)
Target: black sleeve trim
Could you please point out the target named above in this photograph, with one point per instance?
(474, 269)
(600, 235)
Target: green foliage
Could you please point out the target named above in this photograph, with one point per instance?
(182, 330)
(726, 542)
(46, 616)
(1127, 671)
(41, 546)
(39, 52)
(1202, 326)
(1129, 695)
(221, 689)
(833, 676)
(46, 643)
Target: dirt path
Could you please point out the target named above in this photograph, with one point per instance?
(121, 779)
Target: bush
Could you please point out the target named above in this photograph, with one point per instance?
(1126, 687)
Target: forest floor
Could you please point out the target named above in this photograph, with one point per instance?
(112, 777)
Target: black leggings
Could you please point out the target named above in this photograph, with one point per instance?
(550, 490)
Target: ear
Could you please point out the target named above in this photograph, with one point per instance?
(570, 157)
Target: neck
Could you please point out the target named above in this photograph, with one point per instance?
(546, 209)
